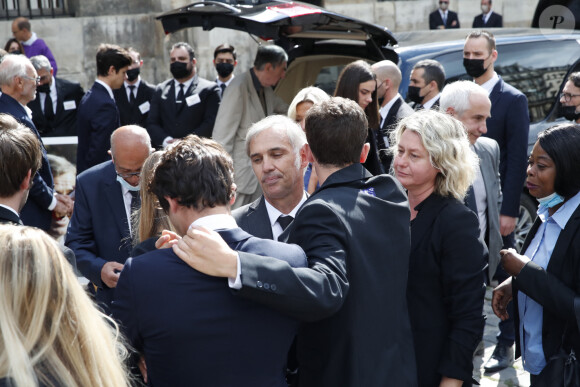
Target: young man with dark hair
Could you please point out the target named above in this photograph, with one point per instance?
(184, 322)
(353, 286)
(427, 81)
(224, 60)
(98, 115)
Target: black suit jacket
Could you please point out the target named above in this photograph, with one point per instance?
(35, 212)
(446, 289)
(65, 119)
(132, 114)
(354, 286)
(495, 21)
(435, 20)
(554, 288)
(196, 117)
(97, 118)
(193, 330)
(397, 112)
(253, 218)
(7, 216)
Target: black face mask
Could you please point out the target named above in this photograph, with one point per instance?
(568, 112)
(16, 52)
(180, 70)
(43, 88)
(133, 74)
(474, 67)
(224, 69)
(413, 94)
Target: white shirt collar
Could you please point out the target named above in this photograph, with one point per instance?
(217, 80)
(385, 109)
(427, 105)
(109, 90)
(136, 84)
(489, 85)
(274, 213)
(30, 41)
(216, 222)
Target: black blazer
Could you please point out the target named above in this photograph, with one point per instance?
(7, 216)
(397, 112)
(65, 119)
(253, 218)
(132, 114)
(446, 289)
(435, 20)
(553, 288)
(166, 119)
(495, 21)
(354, 285)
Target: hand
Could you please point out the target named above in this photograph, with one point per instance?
(512, 262)
(167, 239)
(110, 273)
(507, 224)
(453, 23)
(502, 295)
(450, 382)
(206, 251)
(143, 367)
(64, 205)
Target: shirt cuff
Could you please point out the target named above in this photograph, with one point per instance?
(236, 283)
(166, 141)
(52, 204)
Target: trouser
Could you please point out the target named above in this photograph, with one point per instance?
(506, 335)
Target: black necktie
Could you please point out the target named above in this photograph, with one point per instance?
(48, 109)
(135, 201)
(223, 87)
(131, 94)
(180, 98)
(284, 221)
(470, 199)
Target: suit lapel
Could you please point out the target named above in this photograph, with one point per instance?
(427, 215)
(558, 258)
(254, 98)
(487, 174)
(496, 92)
(114, 195)
(392, 114)
(258, 221)
(59, 95)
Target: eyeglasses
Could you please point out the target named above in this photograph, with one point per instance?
(35, 79)
(567, 97)
(128, 175)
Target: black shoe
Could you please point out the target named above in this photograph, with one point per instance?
(502, 357)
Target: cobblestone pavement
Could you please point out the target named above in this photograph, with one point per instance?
(509, 377)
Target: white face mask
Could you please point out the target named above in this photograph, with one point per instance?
(130, 187)
(485, 8)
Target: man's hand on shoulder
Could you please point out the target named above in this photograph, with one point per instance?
(110, 273)
(167, 239)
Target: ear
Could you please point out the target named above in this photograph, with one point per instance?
(494, 56)
(303, 157)
(194, 61)
(51, 71)
(451, 111)
(112, 70)
(27, 181)
(235, 63)
(234, 190)
(365, 152)
(307, 153)
(213, 61)
(111, 154)
(173, 204)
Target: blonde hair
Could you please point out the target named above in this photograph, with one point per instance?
(446, 141)
(308, 94)
(50, 331)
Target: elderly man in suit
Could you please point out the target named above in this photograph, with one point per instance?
(185, 104)
(98, 115)
(54, 111)
(393, 108)
(100, 229)
(442, 18)
(345, 340)
(247, 100)
(509, 125)
(134, 98)
(18, 80)
(168, 309)
(488, 18)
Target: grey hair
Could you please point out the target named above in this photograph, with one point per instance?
(41, 62)
(457, 96)
(12, 66)
(308, 94)
(291, 129)
(446, 141)
(275, 55)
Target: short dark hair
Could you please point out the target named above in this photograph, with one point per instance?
(111, 55)
(20, 150)
(225, 48)
(575, 78)
(561, 143)
(483, 34)
(24, 24)
(197, 171)
(275, 55)
(187, 47)
(432, 71)
(336, 131)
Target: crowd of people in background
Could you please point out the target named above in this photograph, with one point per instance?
(232, 239)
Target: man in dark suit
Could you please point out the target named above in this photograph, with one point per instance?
(570, 98)
(275, 152)
(134, 98)
(185, 104)
(425, 85)
(509, 125)
(488, 18)
(54, 111)
(18, 81)
(168, 309)
(100, 232)
(393, 108)
(98, 115)
(442, 18)
(345, 340)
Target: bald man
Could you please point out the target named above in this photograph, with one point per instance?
(100, 229)
(393, 107)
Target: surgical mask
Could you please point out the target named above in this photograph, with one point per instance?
(474, 67)
(443, 6)
(179, 70)
(550, 201)
(133, 74)
(128, 186)
(568, 112)
(43, 88)
(224, 69)
(413, 94)
(485, 8)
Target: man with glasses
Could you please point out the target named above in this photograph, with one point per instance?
(442, 18)
(105, 196)
(18, 80)
(570, 98)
